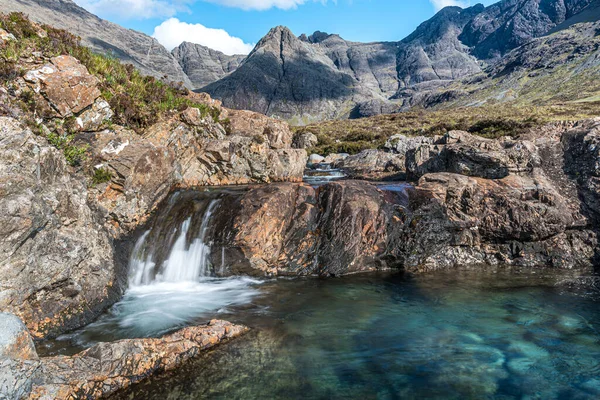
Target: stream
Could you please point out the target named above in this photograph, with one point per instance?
(459, 334)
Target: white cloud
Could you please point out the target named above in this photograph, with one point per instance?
(173, 32)
(439, 4)
(259, 4)
(134, 9)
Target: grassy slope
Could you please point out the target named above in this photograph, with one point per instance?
(556, 77)
(352, 136)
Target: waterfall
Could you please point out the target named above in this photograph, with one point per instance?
(171, 282)
(187, 261)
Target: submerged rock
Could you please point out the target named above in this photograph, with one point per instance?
(109, 367)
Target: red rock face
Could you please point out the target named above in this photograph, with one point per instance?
(295, 229)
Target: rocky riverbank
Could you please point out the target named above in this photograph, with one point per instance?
(102, 369)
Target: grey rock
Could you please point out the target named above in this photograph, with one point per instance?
(400, 144)
(369, 162)
(95, 117)
(469, 155)
(315, 159)
(59, 268)
(204, 65)
(305, 141)
(15, 340)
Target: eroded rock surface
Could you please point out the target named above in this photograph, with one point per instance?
(58, 264)
(108, 367)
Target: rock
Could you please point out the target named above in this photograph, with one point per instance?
(59, 268)
(251, 124)
(305, 141)
(5, 36)
(15, 340)
(108, 367)
(400, 144)
(203, 65)
(295, 229)
(335, 158)
(315, 159)
(466, 154)
(372, 164)
(66, 84)
(458, 220)
(95, 117)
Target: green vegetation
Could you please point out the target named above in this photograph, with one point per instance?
(138, 101)
(353, 136)
(101, 175)
(74, 154)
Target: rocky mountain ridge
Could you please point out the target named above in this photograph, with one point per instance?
(322, 76)
(203, 65)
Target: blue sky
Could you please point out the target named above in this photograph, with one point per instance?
(234, 26)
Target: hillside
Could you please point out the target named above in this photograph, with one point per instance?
(102, 36)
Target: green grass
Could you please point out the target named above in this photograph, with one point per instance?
(493, 121)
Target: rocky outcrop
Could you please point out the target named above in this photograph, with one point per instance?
(65, 84)
(463, 221)
(373, 164)
(295, 229)
(469, 155)
(102, 36)
(61, 267)
(108, 367)
(58, 267)
(528, 202)
(203, 65)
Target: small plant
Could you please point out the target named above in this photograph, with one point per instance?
(101, 175)
(73, 154)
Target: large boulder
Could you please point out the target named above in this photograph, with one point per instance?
(108, 367)
(459, 221)
(66, 84)
(58, 270)
(374, 164)
(296, 229)
(469, 155)
(248, 123)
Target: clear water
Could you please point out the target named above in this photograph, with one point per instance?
(500, 335)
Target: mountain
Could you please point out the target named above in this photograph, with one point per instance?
(508, 24)
(204, 65)
(130, 46)
(323, 76)
(477, 51)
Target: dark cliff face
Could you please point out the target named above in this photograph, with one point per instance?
(204, 65)
(323, 76)
(130, 46)
(511, 23)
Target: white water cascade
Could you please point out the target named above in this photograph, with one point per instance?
(186, 263)
(174, 292)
